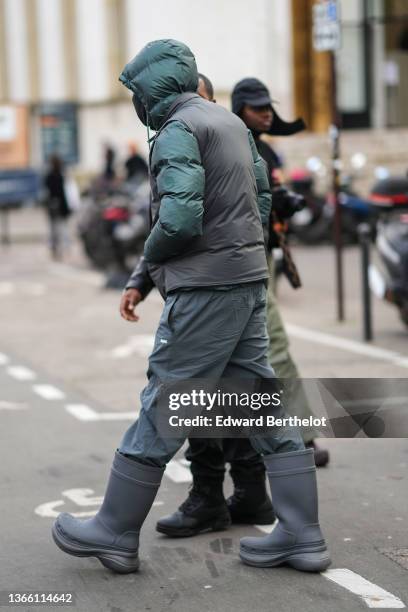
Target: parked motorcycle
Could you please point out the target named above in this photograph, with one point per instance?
(314, 224)
(113, 223)
(390, 198)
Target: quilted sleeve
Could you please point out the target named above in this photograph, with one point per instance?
(176, 166)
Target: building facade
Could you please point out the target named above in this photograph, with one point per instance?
(60, 61)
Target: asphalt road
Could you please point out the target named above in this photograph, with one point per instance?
(70, 375)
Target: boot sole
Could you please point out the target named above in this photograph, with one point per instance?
(122, 563)
(186, 532)
(304, 561)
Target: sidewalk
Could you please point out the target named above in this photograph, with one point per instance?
(28, 224)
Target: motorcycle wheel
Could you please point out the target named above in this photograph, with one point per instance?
(98, 245)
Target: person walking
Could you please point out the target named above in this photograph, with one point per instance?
(252, 102)
(206, 255)
(56, 205)
(249, 503)
(136, 168)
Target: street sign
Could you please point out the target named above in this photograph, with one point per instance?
(326, 26)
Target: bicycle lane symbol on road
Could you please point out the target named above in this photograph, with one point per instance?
(81, 498)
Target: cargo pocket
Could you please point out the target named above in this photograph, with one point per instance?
(170, 311)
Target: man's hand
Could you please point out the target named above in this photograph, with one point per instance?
(128, 303)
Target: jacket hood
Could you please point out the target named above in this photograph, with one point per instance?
(159, 73)
(253, 92)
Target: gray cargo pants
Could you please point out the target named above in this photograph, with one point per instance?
(207, 334)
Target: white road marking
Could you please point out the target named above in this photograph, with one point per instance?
(3, 359)
(12, 406)
(47, 510)
(80, 497)
(352, 346)
(141, 344)
(265, 528)
(82, 412)
(48, 392)
(29, 288)
(21, 373)
(117, 416)
(178, 473)
(373, 595)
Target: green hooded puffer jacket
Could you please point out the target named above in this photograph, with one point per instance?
(158, 75)
(206, 175)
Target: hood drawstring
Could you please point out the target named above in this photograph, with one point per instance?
(148, 129)
(149, 138)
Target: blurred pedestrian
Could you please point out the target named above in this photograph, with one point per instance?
(57, 206)
(109, 171)
(136, 167)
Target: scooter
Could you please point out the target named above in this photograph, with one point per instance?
(314, 224)
(389, 197)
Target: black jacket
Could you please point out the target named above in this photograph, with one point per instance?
(56, 202)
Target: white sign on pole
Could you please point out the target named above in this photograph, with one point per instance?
(8, 126)
(326, 26)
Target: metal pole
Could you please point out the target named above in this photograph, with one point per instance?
(364, 232)
(335, 139)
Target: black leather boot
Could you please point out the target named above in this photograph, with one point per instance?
(321, 455)
(250, 503)
(112, 536)
(296, 538)
(205, 509)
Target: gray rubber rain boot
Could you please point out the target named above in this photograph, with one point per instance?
(296, 539)
(112, 535)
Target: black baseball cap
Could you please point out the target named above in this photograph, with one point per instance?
(254, 93)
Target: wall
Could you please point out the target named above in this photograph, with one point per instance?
(230, 38)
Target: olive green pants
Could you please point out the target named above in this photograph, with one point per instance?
(280, 359)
